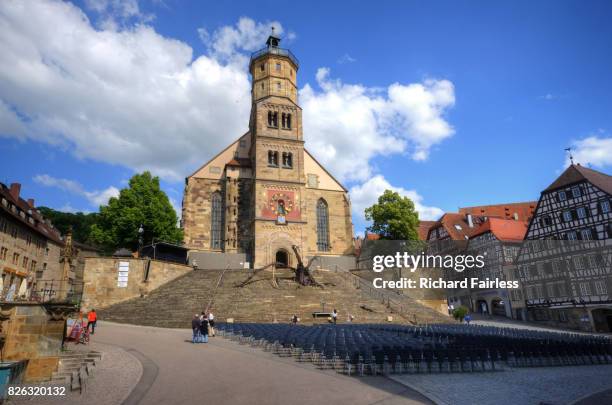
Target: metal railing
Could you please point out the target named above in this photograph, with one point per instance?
(391, 300)
(275, 51)
(47, 291)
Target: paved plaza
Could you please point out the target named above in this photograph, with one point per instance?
(147, 365)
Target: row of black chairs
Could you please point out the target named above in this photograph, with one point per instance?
(373, 348)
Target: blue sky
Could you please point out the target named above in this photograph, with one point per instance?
(491, 94)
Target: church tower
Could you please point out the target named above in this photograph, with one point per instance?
(264, 194)
(277, 152)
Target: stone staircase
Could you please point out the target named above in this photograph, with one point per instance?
(262, 300)
(75, 368)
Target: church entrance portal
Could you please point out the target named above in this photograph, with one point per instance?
(282, 258)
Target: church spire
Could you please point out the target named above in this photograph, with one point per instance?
(273, 40)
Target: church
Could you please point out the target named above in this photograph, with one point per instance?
(265, 193)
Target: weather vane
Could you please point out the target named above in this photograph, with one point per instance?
(569, 151)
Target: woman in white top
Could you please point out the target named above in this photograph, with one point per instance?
(211, 322)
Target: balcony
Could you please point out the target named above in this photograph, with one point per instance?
(275, 51)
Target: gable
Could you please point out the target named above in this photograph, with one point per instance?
(325, 180)
(213, 169)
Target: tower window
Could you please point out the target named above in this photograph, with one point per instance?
(278, 86)
(216, 222)
(286, 121)
(278, 67)
(262, 67)
(273, 158)
(272, 119)
(322, 226)
(287, 160)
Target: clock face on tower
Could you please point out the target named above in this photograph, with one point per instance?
(280, 206)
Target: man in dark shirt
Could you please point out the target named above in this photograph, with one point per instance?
(195, 326)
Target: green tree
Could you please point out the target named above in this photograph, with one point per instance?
(393, 217)
(142, 202)
(81, 222)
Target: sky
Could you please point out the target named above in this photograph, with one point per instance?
(451, 103)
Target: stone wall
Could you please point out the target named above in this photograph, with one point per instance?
(101, 287)
(31, 332)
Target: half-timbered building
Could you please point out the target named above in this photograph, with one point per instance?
(565, 264)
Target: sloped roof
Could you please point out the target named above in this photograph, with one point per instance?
(505, 230)
(37, 223)
(424, 227)
(456, 225)
(577, 173)
(523, 210)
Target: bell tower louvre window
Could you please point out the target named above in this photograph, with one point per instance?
(273, 119)
(287, 160)
(273, 158)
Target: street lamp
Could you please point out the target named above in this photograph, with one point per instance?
(140, 238)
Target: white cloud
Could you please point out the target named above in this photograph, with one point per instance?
(346, 125)
(95, 198)
(346, 58)
(366, 194)
(247, 35)
(593, 150)
(129, 96)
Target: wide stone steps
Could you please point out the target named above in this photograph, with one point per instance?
(173, 304)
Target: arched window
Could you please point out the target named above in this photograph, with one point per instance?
(216, 222)
(322, 226)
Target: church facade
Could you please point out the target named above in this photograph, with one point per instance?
(265, 193)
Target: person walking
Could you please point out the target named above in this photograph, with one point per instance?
(294, 319)
(92, 319)
(195, 326)
(211, 323)
(467, 318)
(334, 316)
(204, 330)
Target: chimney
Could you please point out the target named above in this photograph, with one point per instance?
(470, 220)
(31, 202)
(15, 190)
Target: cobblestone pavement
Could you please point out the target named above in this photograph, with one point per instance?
(519, 386)
(112, 380)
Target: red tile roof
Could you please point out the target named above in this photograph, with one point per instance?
(456, 225)
(523, 210)
(505, 230)
(372, 236)
(424, 227)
